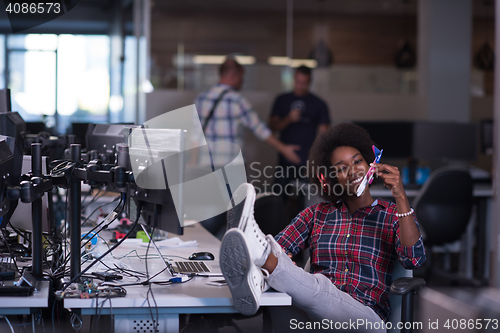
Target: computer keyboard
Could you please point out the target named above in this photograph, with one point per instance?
(191, 267)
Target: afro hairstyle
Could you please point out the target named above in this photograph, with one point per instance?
(345, 134)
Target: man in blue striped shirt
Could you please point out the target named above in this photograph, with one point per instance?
(233, 112)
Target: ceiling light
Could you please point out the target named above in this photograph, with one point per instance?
(219, 59)
(245, 60)
(209, 59)
(285, 61)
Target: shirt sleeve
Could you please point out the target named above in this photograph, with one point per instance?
(295, 237)
(251, 120)
(410, 257)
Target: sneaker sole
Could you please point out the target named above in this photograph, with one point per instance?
(235, 265)
(234, 215)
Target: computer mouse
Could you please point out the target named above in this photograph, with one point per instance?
(202, 256)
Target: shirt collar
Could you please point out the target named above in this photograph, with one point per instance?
(378, 202)
(224, 86)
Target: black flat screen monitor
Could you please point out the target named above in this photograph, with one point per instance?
(5, 102)
(445, 141)
(426, 140)
(105, 137)
(158, 211)
(82, 131)
(6, 168)
(35, 127)
(13, 125)
(394, 137)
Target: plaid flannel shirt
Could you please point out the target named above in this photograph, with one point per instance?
(357, 252)
(225, 128)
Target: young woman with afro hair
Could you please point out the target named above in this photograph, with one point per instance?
(353, 240)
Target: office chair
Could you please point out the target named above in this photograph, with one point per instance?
(269, 213)
(443, 208)
(404, 285)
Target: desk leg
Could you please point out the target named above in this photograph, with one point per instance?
(468, 248)
(130, 323)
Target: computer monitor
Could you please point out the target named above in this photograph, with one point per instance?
(5, 102)
(35, 127)
(445, 141)
(6, 167)
(154, 153)
(395, 137)
(424, 140)
(81, 131)
(21, 218)
(104, 138)
(13, 125)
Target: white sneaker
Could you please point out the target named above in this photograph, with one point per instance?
(244, 201)
(241, 217)
(244, 279)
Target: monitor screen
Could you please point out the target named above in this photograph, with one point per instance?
(384, 134)
(13, 125)
(35, 127)
(81, 131)
(6, 167)
(445, 141)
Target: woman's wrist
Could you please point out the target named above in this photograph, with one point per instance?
(401, 197)
(402, 204)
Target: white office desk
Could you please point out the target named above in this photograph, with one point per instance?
(195, 296)
(19, 305)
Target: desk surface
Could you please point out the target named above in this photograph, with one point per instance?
(194, 296)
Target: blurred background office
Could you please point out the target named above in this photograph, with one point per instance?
(406, 64)
(128, 61)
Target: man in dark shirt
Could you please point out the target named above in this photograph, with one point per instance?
(299, 116)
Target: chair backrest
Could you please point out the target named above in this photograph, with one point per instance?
(444, 205)
(269, 213)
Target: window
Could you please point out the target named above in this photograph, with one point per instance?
(59, 79)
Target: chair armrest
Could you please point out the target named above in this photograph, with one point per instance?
(404, 285)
